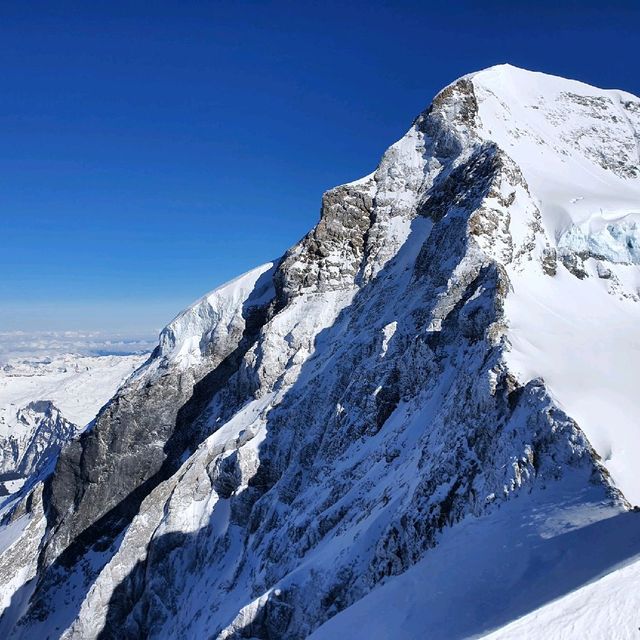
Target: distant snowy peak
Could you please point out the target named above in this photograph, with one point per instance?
(66, 363)
(78, 385)
(44, 403)
(39, 430)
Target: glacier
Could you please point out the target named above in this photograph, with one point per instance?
(421, 421)
(617, 241)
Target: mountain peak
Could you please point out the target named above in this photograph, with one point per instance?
(458, 330)
(503, 75)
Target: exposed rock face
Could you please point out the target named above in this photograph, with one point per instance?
(311, 428)
(47, 402)
(139, 438)
(333, 252)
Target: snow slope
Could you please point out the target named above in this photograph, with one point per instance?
(184, 340)
(577, 147)
(490, 570)
(45, 403)
(77, 385)
(604, 608)
(584, 342)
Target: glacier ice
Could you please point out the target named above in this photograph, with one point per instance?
(617, 241)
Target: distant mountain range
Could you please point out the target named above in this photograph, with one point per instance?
(48, 401)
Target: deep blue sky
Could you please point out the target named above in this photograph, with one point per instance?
(151, 151)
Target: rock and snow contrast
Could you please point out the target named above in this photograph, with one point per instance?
(45, 403)
(421, 422)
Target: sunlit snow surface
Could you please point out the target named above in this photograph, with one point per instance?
(578, 150)
(185, 337)
(77, 385)
(585, 343)
(518, 562)
(575, 143)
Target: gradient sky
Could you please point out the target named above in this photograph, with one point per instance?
(151, 151)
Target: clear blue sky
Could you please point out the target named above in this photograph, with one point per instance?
(151, 151)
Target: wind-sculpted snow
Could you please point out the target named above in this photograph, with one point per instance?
(321, 425)
(210, 320)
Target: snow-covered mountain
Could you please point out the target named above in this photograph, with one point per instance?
(421, 421)
(45, 403)
(33, 440)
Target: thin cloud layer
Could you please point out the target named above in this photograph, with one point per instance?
(40, 344)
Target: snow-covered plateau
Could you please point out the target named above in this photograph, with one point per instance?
(46, 402)
(422, 421)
